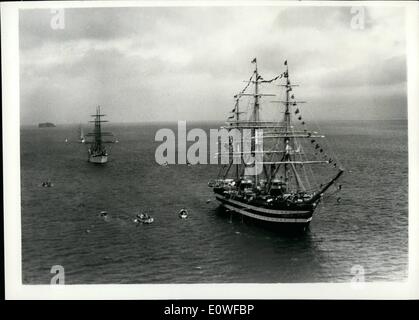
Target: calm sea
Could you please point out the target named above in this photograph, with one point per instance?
(62, 225)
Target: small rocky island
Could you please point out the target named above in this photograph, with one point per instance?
(46, 125)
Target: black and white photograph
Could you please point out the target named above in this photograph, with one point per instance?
(240, 145)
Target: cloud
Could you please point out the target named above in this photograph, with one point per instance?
(391, 71)
(173, 63)
(319, 18)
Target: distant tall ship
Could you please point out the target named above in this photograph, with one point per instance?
(280, 192)
(97, 152)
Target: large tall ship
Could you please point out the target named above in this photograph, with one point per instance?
(270, 172)
(97, 152)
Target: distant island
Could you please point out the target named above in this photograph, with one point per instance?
(46, 125)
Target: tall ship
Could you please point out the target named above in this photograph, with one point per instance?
(273, 164)
(97, 152)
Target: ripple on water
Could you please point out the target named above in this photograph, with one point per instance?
(368, 226)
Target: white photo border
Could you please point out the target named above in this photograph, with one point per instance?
(14, 288)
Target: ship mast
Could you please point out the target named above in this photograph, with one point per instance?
(287, 108)
(255, 122)
(255, 118)
(256, 105)
(240, 145)
(287, 121)
(288, 136)
(97, 129)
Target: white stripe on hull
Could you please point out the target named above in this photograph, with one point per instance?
(258, 217)
(264, 210)
(98, 159)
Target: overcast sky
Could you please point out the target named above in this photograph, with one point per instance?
(156, 64)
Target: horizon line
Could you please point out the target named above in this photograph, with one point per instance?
(195, 121)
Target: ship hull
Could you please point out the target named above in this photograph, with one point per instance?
(290, 220)
(98, 159)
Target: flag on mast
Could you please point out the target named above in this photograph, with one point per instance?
(254, 60)
(285, 63)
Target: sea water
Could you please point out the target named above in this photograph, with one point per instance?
(62, 225)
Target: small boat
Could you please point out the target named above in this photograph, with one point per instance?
(104, 213)
(183, 213)
(47, 184)
(144, 218)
